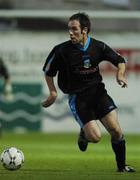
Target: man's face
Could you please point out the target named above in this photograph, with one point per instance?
(76, 35)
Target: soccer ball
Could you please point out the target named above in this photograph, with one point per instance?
(12, 158)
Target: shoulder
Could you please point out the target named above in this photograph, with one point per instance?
(63, 46)
(98, 43)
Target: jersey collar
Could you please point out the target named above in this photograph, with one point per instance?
(86, 45)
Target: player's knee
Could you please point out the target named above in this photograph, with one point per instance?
(95, 138)
(116, 133)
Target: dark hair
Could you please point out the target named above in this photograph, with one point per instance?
(83, 19)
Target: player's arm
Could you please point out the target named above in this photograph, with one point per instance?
(50, 69)
(6, 76)
(120, 75)
(7, 86)
(52, 92)
(117, 60)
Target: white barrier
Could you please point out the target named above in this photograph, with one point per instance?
(63, 14)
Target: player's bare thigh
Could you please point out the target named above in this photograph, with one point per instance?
(111, 123)
(92, 131)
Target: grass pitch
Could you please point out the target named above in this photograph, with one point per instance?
(57, 157)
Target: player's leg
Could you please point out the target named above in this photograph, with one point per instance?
(92, 131)
(110, 122)
(89, 133)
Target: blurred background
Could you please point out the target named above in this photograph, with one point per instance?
(29, 29)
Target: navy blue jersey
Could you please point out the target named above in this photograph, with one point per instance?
(77, 66)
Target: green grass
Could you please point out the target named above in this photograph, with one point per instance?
(57, 157)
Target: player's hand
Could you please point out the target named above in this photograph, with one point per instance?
(50, 100)
(120, 76)
(7, 88)
(122, 81)
(8, 92)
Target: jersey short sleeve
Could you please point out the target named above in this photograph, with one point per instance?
(112, 56)
(50, 67)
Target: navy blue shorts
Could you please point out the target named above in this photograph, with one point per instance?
(91, 105)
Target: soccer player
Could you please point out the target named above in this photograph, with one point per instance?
(7, 83)
(77, 63)
(5, 74)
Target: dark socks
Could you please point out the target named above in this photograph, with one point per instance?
(119, 148)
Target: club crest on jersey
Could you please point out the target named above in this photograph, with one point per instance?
(87, 63)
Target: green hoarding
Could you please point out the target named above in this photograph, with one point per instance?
(23, 112)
